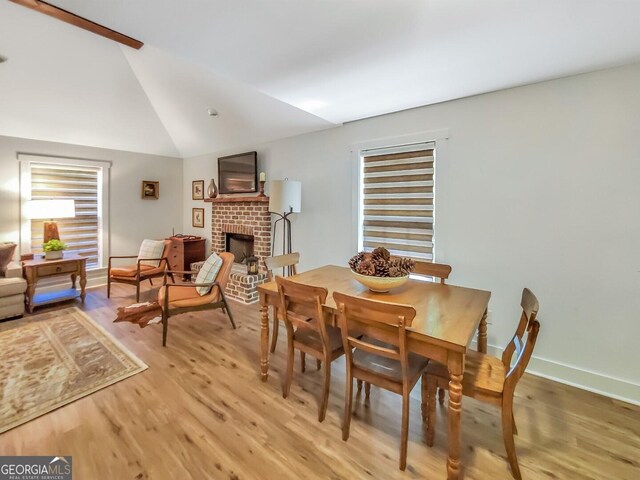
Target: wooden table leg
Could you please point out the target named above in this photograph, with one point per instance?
(31, 289)
(456, 370)
(482, 333)
(83, 282)
(264, 339)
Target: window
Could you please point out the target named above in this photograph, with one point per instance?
(84, 181)
(398, 199)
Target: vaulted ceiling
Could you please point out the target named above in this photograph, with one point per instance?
(279, 68)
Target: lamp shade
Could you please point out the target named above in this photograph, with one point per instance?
(285, 196)
(41, 209)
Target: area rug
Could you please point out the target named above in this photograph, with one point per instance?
(51, 359)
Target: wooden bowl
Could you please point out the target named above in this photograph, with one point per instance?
(380, 284)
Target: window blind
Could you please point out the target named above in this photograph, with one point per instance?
(81, 184)
(398, 201)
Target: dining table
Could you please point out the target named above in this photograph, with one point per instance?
(448, 317)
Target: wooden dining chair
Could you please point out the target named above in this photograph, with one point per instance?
(436, 270)
(374, 338)
(307, 331)
(490, 379)
(288, 263)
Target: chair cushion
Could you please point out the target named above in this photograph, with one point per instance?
(131, 270)
(6, 255)
(187, 297)
(208, 272)
(387, 367)
(482, 372)
(151, 249)
(12, 286)
(312, 338)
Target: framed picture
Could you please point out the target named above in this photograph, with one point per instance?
(197, 190)
(150, 190)
(197, 217)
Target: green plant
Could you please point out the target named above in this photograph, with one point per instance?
(53, 246)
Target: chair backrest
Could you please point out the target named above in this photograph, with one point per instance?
(165, 255)
(521, 346)
(301, 306)
(289, 260)
(373, 320)
(223, 274)
(430, 269)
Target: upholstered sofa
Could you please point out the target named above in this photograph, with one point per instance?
(12, 288)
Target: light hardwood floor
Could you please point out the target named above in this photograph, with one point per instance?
(200, 411)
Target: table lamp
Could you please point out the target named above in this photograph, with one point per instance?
(51, 210)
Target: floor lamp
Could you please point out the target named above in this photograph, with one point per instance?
(284, 199)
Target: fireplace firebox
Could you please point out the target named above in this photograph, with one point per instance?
(240, 245)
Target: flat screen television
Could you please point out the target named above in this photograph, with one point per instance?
(238, 173)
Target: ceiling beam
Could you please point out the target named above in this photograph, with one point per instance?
(73, 19)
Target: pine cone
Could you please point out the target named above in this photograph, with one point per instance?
(355, 260)
(395, 272)
(381, 266)
(404, 264)
(366, 267)
(381, 252)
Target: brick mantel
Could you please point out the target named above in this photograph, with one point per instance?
(247, 216)
(237, 199)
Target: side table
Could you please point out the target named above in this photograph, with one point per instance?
(38, 268)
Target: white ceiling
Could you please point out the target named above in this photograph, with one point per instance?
(279, 68)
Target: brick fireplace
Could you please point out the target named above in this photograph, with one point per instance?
(242, 218)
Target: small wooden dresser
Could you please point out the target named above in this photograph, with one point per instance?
(185, 251)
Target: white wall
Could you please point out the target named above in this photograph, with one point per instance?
(536, 186)
(131, 218)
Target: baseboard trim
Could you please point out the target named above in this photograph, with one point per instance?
(611, 387)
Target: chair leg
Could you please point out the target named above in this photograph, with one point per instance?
(138, 291)
(150, 282)
(348, 399)
(441, 395)
(276, 326)
(302, 361)
(108, 286)
(405, 429)
(326, 384)
(289, 374)
(318, 364)
(226, 307)
(431, 411)
(359, 382)
(515, 429)
(367, 389)
(165, 327)
(507, 433)
(424, 407)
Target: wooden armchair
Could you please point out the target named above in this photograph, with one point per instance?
(380, 357)
(176, 298)
(138, 273)
(287, 262)
(301, 306)
(492, 380)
